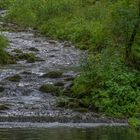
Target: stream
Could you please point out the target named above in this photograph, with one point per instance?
(23, 100)
(33, 115)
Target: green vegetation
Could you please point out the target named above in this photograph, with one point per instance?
(135, 122)
(4, 4)
(5, 58)
(110, 79)
(109, 86)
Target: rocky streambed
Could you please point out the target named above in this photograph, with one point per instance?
(40, 61)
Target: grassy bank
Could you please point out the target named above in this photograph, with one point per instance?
(109, 81)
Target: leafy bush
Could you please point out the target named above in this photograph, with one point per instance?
(108, 86)
(4, 4)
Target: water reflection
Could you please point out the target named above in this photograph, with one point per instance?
(102, 133)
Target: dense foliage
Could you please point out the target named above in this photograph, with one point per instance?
(109, 29)
(4, 4)
(106, 85)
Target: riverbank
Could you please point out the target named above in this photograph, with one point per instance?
(105, 84)
(22, 99)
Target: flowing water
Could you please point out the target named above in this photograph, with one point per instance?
(69, 133)
(23, 100)
(25, 103)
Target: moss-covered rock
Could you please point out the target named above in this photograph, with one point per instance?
(29, 57)
(59, 84)
(67, 102)
(49, 88)
(3, 107)
(67, 93)
(53, 74)
(62, 101)
(15, 78)
(2, 89)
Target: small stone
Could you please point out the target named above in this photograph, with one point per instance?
(69, 78)
(27, 72)
(52, 41)
(80, 110)
(2, 89)
(33, 49)
(67, 44)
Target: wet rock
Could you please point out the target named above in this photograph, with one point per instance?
(51, 55)
(80, 110)
(49, 88)
(15, 78)
(61, 84)
(67, 92)
(52, 41)
(3, 107)
(26, 72)
(17, 51)
(69, 78)
(2, 89)
(53, 74)
(73, 105)
(68, 86)
(67, 44)
(33, 49)
(67, 102)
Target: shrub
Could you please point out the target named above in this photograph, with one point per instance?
(108, 85)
